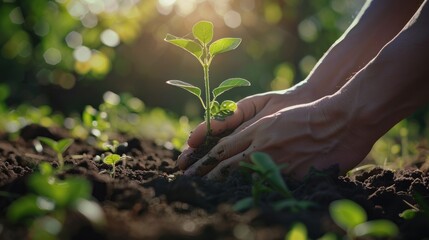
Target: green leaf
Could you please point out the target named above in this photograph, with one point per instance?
(112, 159)
(297, 232)
(224, 45)
(347, 214)
(229, 84)
(408, 214)
(376, 228)
(186, 44)
(227, 108)
(64, 144)
(243, 204)
(187, 86)
(203, 31)
(272, 172)
(50, 142)
(62, 192)
(24, 207)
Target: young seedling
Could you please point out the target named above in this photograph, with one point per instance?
(50, 200)
(202, 48)
(269, 180)
(59, 147)
(112, 160)
(352, 218)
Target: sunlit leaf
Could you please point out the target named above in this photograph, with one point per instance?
(23, 208)
(50, 142)
(297, 232)
(376, 228)
(64, 144)
(112, 159)
(186, 44)
(408, 214)
(229, 84)
(347, 214)
(224, 45)
(203, 31)
(187, 86)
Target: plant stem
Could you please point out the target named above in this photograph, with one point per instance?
(60, 160)
(207, 88)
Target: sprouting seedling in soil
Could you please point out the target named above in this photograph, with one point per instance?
(50, 200)
(112, 160)
(352, 218)
(202, 48)
(269, 180)
(58, 146)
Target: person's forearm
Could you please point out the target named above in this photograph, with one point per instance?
(395, 83)
(377, 23)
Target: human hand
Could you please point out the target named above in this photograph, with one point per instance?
(249, 110)
(317, 134)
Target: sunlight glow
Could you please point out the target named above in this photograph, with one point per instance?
(52, 56)
(232, 19)
(74, 39)
(110, 38)
(82, 54)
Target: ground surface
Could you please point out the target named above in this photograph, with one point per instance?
(150, 199)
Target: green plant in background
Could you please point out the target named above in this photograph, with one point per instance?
(352, 218)
(112, 160)
(205, 51)
(269, 179)
(59, 147)
(46, 208)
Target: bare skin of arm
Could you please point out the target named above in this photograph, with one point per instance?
(342, 127)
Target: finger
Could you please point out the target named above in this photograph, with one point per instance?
(197, 136)
(184, 159)
(226, 148)
(224, 168)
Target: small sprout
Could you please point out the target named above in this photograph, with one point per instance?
(58, 146)
(297, 232)
(51, 199)
(112, 160)
(353, 219)
(408, 214)
(269, 180)
(201, 48)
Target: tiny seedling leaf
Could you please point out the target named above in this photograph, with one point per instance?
(297, 232)
(224, 45)
(187, 86)
(227, 108)
(186, 44)
(408, 214)
(268, 168)
(229, 84)
(376, 228)
(24, 207)
(50, 142)
(243, 204)
(112, 159)
(203, 31)
(347, 214)
(64, 144)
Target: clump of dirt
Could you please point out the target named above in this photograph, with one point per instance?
(150, 198)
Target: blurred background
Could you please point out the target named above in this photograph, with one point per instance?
(66, 57)
(67, 53)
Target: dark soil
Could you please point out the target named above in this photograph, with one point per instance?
(150, 199)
